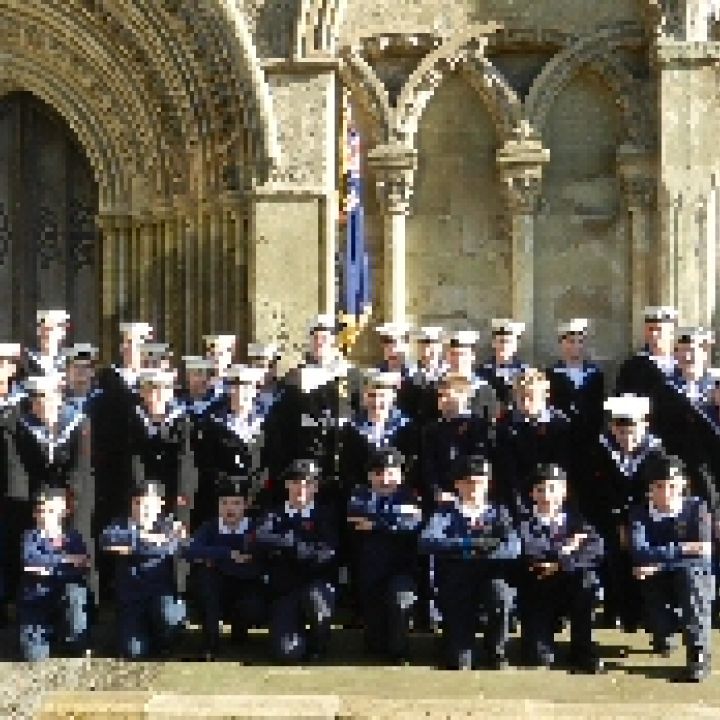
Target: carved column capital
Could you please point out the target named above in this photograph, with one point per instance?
(394, 167)
(636, 169)
(684, 20)
(520, 163)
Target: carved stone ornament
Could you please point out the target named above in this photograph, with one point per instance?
(394, 168)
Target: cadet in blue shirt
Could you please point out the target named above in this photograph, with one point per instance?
(562, 554)
(300, 541)
(474, 544)
(230, 583)
(386, 520)
(671, 553)
(149, 614)
(54, 600)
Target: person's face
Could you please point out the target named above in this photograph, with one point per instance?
(51, 335)
(322, 344)
(51, 512)
(379, 401)
(231, 509)
(452, 401)
(8, 369)
(146, 509)
(532, 398)
(691, 358)
(505, 347)
(572, 347)
(667, 493)
(130, 348)
(430, 354)
(460, 360)
(222, 355)
(242, 397)
(301, 491)
(46, 405)
(629, 435)
(80, 376)
(156, 397)
(394, 351)
(198, 382)
(549, 496)
(473, 490)
(385, 479)
(660, 336)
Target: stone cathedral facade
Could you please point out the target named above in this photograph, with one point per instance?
(178, 161)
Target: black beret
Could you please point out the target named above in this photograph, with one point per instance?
(469, 465)
(302, 468)
(142, 486)
(382, 458)
(659, 466)
(52, 487)
(227, 485)
(548, 471)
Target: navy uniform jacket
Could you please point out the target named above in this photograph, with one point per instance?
(208, 543)
(423, 392)
(613, 483)
(159, 445)
(655, 540)
(37, 364)
(543, 541)
(501, 378)
(299, 546)
(43, 455)
(358, 440)
(10, 409)
(148, 570)
(452, 536)
(390, 548)
(523, 443)
(39, 552)
(583, 405)
(445, 440)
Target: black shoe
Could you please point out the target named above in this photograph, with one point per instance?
(588, 664)
(498, 661)
(698, 667)
(239, 635)
(664, 645)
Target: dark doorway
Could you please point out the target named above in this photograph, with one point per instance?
(48, 239)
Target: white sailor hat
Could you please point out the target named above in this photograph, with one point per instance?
(311, 377)
(53, 317)
(382, 379)
(156, 376)
(628, 407)
(463, 338)
(244, 375)
(80, 351)
(507, 326)
(10, 350)
(42, 384)
(261, 351)
(323, 321)
(713, 377)
(221, 340)
(136, 329)
(154, 349)
(690, 335)
(660, 313)
(197, 362)
(576, 326)
(429, 334)
(393, 331)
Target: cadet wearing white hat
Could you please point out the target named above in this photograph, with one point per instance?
(502, 369)
(52, 327)
(614, 482)
(10, 391)
(322, 336)
(80, 395)
(221, 348)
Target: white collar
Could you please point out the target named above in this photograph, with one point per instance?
(658, 515)
(472, 513)
(548, 520)
(306, 512)
(239, 529)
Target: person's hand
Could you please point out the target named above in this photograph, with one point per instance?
(80, 561)
(573, 544)
(361, 523)
(623, 536)
(120, 549)
(445, 496)
(545, 569)
(695, 548)
(645, 571)
(240, 557)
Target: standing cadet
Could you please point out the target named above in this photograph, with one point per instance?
(645, 373)
(395, 338)
(532, 433)
(11, 399)
(474, 543)
(562, 554)
(221, 350)
(51, 333)
(230, 584)
(671, 554)
(430, 368)
(386, 518)
(197, 393)
(299, 539)
(54, 601)
(144, 544)
(455, 434)
(577, 388)
(157, 434)
(500, 372)
(613, 484)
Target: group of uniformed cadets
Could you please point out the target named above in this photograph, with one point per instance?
(447, 492)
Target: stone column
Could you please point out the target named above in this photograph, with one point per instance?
(686, 64)
(520, 163)
(636, 169)
(394, 167)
